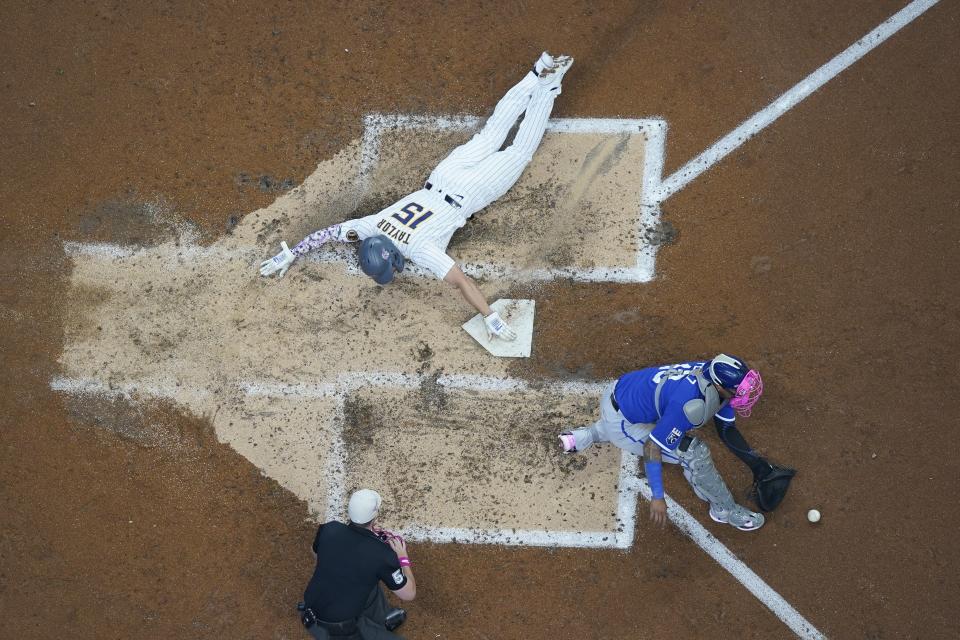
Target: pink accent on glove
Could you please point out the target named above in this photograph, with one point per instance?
(405, 561)
(748, 392)
(568, 442)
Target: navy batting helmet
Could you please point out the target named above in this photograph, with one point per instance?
(726, 371)
(380, 258)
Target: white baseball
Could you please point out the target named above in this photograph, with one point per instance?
(813, 515)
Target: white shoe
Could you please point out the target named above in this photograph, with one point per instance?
(543, 63)
(550, 78)
(738, 517)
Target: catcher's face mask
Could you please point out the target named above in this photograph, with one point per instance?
(747, 393)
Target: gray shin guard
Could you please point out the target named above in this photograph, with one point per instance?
(703, 476)
(584, 437)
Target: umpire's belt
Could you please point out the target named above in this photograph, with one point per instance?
(345, 628)
(446, 196)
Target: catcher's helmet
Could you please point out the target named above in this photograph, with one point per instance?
(380, 258)
(726, 371)
(733, 374)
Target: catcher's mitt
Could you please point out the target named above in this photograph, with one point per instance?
(770, 488)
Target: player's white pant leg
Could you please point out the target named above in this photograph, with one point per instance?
(599, 431)
(490, 138)
(612, 427)
(493, 176)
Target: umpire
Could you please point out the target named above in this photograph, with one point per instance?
(343, 598)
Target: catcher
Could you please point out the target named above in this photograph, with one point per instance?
(650, 412)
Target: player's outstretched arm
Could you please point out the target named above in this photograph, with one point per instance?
(653, 464)
(282, 261)
(278, 263)
(472, 294)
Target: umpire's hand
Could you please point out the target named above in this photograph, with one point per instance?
(398, 545)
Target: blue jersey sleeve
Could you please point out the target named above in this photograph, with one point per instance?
(670, 428)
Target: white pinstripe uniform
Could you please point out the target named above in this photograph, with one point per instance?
(471, 177)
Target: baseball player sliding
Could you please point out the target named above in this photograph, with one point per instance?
(419, 226)
(650, 412)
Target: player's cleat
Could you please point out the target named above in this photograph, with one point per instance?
(544, 62)
(567, 442)
(738, 517)
(551, 78)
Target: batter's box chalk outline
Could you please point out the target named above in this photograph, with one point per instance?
(654, 132)
(336, 471)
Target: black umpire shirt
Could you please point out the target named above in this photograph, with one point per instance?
(350, 561)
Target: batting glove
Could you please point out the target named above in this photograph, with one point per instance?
(497, 327)
(280, 262)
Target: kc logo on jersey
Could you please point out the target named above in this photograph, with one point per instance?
(674, 436)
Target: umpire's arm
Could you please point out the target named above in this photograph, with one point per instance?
(409, 590)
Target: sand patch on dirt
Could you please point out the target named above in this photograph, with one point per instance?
(275, 362)
(467, 458)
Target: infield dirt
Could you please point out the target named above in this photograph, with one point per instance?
(824, 251)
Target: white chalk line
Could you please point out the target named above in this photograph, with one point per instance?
(690, 526)
(693, 169)
(733, 140)
(654, 158)
(125, 390)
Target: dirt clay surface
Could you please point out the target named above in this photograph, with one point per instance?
(153, 486)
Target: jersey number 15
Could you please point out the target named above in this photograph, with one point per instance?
(411, 215)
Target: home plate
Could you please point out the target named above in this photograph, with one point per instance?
(516, 313)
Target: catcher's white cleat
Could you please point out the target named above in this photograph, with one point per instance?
(739, 517)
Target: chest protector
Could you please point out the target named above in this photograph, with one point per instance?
(697, 410)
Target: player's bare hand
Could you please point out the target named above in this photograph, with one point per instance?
(398, 545)
(280, 262)
(658, 511)
(497, 327)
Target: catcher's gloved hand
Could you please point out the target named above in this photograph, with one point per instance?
(497, 327)
(280, 262)
(770, 487)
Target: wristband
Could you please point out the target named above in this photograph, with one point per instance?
(655, 478)
(405, 561)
